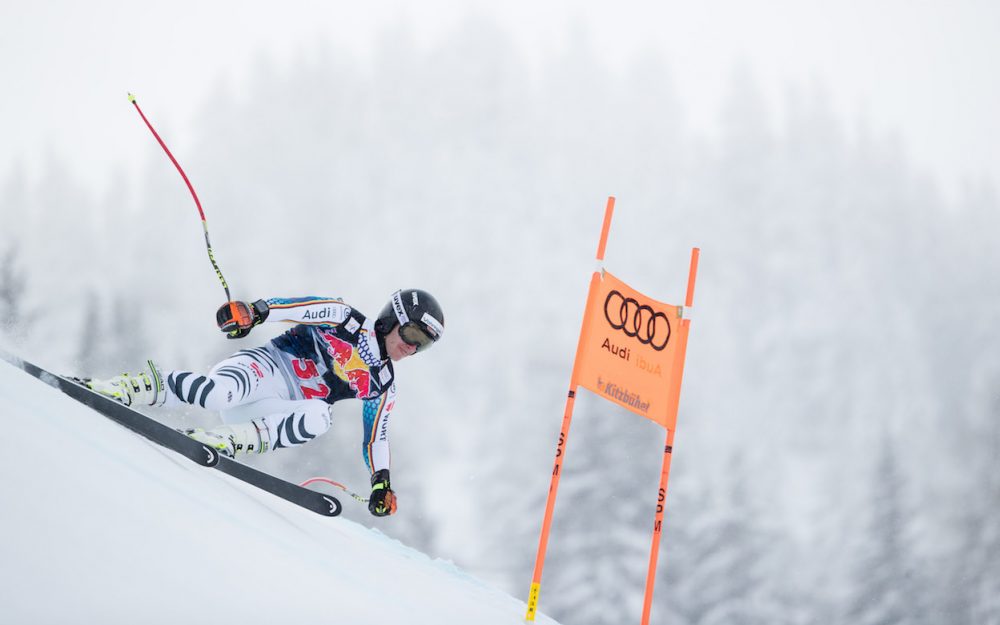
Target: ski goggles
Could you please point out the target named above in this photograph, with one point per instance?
(414, 335)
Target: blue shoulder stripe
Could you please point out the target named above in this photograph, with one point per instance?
(292, 302)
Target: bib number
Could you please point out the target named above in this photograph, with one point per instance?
(310, 382)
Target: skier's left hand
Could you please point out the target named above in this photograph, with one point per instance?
(382, 501)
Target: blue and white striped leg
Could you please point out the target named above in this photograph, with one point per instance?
(304, 421)
(246, 376)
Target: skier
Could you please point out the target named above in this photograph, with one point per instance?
(281, 394)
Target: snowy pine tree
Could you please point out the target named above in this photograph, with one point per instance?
(976, 576)
(719, 565)
(14, 322)
(887, 586)
(602, 527)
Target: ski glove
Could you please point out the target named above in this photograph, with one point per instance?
(236, 319)
(383, 500)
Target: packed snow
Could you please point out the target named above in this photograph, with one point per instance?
(101, 524)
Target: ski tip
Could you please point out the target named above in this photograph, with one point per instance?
(12, 359)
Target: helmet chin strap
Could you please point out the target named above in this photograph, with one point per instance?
(380, 339)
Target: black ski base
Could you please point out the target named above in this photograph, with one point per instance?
(139, 423)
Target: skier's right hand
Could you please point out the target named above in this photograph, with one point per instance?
(382, 501)
(236, 319)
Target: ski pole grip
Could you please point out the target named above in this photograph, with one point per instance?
(233, 316)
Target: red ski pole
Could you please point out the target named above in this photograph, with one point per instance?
(204, 223)
(327, 480)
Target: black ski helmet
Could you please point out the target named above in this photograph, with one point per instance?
(418, 315)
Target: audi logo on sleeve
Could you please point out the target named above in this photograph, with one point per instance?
(636, 320)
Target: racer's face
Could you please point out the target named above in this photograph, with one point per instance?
(398, 348)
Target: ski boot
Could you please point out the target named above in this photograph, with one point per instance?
(144, 388)
(229, 440)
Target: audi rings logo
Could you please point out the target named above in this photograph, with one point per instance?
(637, 320)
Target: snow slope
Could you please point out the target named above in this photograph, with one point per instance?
(99, 525)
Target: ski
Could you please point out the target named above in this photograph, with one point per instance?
(320, 503)
(139, 423)
(165, 436)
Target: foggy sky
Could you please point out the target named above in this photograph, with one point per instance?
(921, 69)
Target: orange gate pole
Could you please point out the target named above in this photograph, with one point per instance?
(675, 394)
(536, 578)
